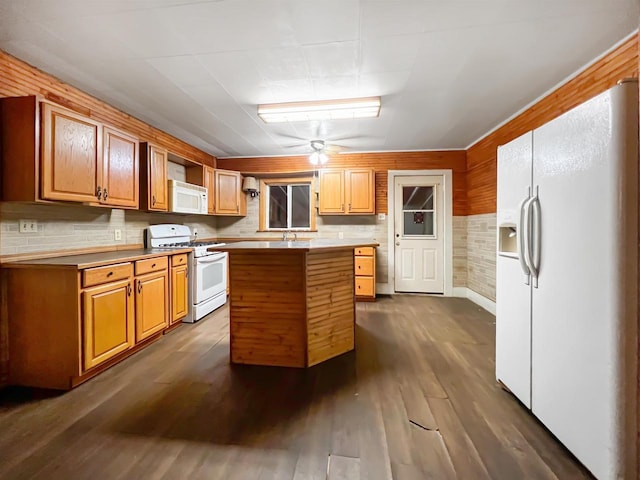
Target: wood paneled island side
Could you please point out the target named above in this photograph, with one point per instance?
(292, 304)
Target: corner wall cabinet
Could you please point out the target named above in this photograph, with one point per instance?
(229, 198)
(52, 153)
(347, 192)
(68, 323)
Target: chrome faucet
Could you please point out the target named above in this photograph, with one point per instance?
(284, 236)
(295, 236)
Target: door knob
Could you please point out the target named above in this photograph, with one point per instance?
(398, 244)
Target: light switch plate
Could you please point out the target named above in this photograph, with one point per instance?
(28, 226)
(381, 216)
(117, 234)
(341, 235)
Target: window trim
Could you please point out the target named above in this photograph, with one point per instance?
(264, 203)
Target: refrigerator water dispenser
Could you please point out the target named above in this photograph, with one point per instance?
(507, 240)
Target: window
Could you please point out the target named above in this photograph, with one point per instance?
(418, 210)
(286, 204)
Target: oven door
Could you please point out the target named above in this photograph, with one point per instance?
(211, 276)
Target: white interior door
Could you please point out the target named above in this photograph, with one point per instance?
(419, 234)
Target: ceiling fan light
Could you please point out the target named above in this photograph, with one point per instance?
(322, 157)
(322, 110)
(314, 158)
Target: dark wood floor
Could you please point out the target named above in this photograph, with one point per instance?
(417, 400)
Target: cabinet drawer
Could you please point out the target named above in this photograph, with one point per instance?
(109, 273)
(364, 251)
(151, 265)
(364, 286)
(177, 260)
(364, 266)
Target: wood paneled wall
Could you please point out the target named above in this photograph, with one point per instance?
(380, 162)
(481, 157)
(19, 78)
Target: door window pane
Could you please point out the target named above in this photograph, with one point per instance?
(277, 206)
(418, 223)
(417, 198)
(300, 211)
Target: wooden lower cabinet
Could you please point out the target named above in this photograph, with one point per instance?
(365, 273)
(68, 323)
(179, 293)
(151, 304)
(108, 322)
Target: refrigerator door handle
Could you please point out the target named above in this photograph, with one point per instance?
(521, 239)
(528, 239)
(537, 235)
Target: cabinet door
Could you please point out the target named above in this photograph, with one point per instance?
(108, 322)
(209, 184)
(71, 151)
(331, 192)
(360, 191)
(227, 187)
(119, 169)
(179, 293)
(151, 304)
(158, 188)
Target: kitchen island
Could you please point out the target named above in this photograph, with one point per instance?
(292, 304)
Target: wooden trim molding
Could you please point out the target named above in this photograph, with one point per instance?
(265, 183)
(481, 175)
(381, 162)
(20, 79)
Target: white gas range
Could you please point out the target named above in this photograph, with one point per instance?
(207, 270)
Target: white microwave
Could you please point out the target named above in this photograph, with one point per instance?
(187, 198)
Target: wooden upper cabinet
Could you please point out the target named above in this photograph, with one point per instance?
(151, 304)
(228, 191)
(108, 322)
(360, 191)
(210, 184)
(347, 192)
(154, 190)
(59, 154)
(120, 169)
(331, 192)
(71, 165)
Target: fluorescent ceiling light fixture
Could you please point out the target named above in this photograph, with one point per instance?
(322, 110)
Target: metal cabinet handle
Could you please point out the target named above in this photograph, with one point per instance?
(105, 194)
(109, 274)
(99, 193)
(153, 265)
(349, 207)
(153, 200)
(129, 290)
(139, 286)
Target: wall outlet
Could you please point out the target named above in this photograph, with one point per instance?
(340, 234)
(381, 216)
(117, 234)
(28, 226)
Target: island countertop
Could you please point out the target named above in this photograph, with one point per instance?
(300, 245)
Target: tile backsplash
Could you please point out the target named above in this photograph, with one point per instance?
(63, 227)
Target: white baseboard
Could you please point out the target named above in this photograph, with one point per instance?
(484, 302)
(384, 289)
(460, 292)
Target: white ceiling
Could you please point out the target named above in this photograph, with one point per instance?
(448, 71)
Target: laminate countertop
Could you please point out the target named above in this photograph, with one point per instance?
(296, 245)
(89, 260)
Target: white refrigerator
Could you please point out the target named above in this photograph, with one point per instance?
(567, 278)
